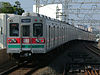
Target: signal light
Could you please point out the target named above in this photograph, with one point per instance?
(35, 20)
(9, 40)
(38, 40)
(42, 40)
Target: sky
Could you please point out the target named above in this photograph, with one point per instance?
(27, 5)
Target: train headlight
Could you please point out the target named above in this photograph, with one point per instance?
(37, 40)
(12, 41)
(42, 41)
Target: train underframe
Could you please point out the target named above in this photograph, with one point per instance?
(29, 56)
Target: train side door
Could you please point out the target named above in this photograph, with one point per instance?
(25, 38)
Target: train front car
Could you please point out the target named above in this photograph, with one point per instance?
(25, 36)
(13, 36)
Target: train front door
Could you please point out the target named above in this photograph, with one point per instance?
(26, 39)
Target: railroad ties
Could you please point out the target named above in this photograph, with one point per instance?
(84, 62)
(82, 69)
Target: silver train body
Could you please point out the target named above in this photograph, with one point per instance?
(40, 34)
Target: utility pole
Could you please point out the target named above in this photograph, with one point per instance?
(37, 6)
(57, 12)
(66, 10)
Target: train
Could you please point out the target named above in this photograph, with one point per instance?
(33, 33)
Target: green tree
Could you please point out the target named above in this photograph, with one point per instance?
(17, 4)
(18, 11)
(17, 8)
(6, 8)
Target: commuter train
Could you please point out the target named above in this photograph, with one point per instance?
(35, 34)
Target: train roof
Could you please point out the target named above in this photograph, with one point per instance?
(46, 17)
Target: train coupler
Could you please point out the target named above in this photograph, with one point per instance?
(25, 54)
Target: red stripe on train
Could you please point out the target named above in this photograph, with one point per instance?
(38, 40)
(13, 40)
(26, 40)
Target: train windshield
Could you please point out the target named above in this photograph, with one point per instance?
(37, 29)
(26, 30)
(14, 29)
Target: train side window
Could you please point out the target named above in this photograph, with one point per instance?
(14, 29)
(38, 29)
(26, 30)
(49, 36)
(1, 30)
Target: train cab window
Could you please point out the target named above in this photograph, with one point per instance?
(14, 29)
(26, 30)
(37, 29)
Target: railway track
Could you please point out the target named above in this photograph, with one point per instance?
(22, 69)
(29, 68)
(9, 70)
(6, 72)
(86, 67)
(93, 48)
(92, 71)
(83, 69)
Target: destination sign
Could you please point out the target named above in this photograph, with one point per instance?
(25, 20)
